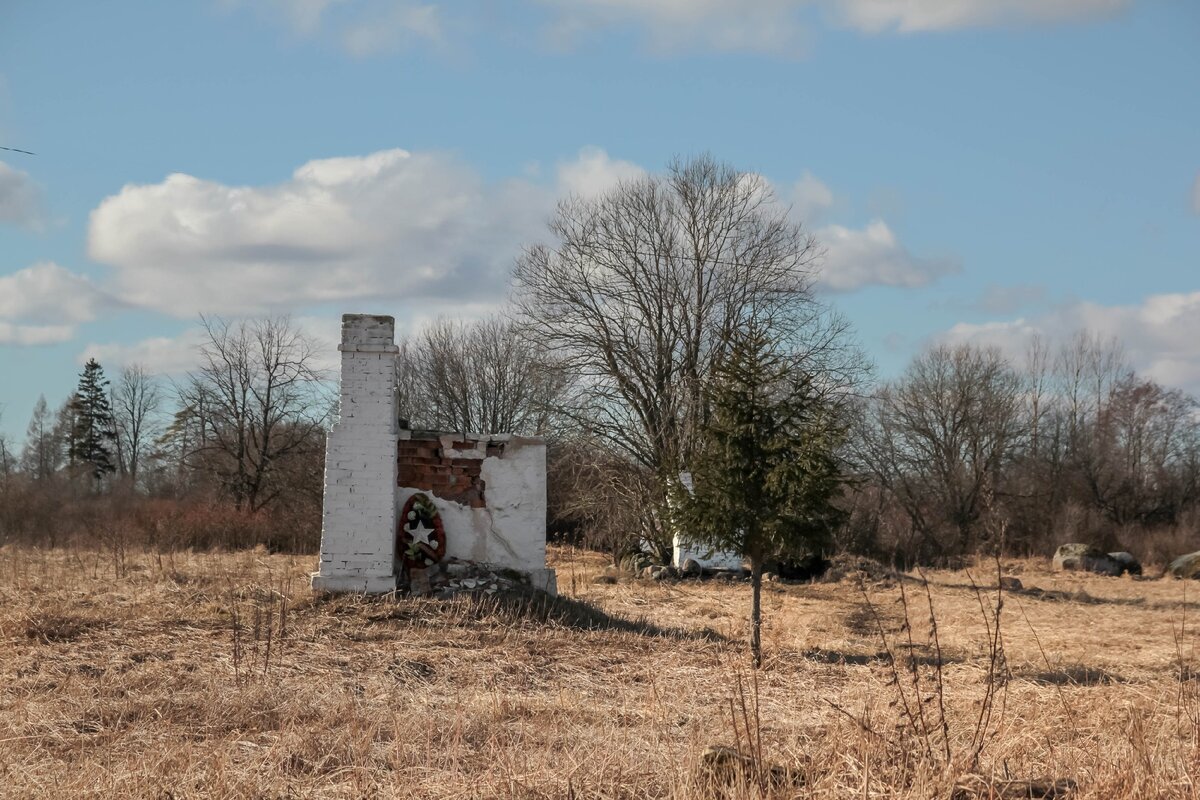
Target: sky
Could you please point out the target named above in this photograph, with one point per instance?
(975, 170)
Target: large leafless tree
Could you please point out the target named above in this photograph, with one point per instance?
(263, 403)
(642, 287)
(939, 437)
(136, 399)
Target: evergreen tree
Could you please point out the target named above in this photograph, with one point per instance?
(94, 433)
(766, 473)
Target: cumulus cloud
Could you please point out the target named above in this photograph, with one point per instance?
(43, 303)
(361, 27)
(389, 225)
(392, 226)
(780, 26)
(161, 355)
(874, 16)
(722, 25)
(20, 198)
(810, 197)
(594, 172)
(855, 258)
(1161, 334)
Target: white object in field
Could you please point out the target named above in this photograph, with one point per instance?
(363, 500)
(510, 530)
(358, 523)
(705, 557)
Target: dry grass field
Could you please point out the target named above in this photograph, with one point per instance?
(204, 675)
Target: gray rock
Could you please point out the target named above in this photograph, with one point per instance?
(635, 563)
(1128, 562)
(1085, 558)
(691, 568)
(1185, 566)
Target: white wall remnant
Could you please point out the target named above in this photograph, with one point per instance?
(490, 490)
(359, 514)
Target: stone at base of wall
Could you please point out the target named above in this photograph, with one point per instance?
(545, 580)
(362, 584)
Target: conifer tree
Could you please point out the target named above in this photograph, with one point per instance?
(94, 431)
(766, 473)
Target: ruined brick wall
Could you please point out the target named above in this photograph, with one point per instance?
(446, 467)
(490, 491)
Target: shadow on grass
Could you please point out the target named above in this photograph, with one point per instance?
(1071, 675)
(840, 658)
(565, 612)
(506, 608)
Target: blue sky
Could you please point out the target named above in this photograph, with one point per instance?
(976, 169)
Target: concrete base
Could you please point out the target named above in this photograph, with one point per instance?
(359, 584)
(544, 579)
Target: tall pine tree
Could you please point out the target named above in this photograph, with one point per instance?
(766, 473)
(95, 430)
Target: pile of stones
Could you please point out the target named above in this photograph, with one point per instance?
(1078, 557)
(455, 577)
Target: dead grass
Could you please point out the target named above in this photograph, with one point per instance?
(200, 675)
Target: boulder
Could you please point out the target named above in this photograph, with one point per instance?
(1185, 566)
(1085, 558)
(1128, 562)
(636, 562)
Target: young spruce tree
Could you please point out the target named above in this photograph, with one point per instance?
(766, 473)
(95, 430)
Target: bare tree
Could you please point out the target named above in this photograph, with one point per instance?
(263, 403)
(136, 399)
(8, 462)
(42, 455)
(482, 377)
(939, 437)
(1139, 457)
(643, 288)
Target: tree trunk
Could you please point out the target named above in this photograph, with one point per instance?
(756, 568)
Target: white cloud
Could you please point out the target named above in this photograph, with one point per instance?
(594, 173)
(43, 303)
(780, 26)
(402, 25)
(810, 197)
(389, 225)
(874, 16)
(1161, 334)
(161, 355)
(361, 27)
(32, 335)
(20, 198)
(873, 256)
(722, 25)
